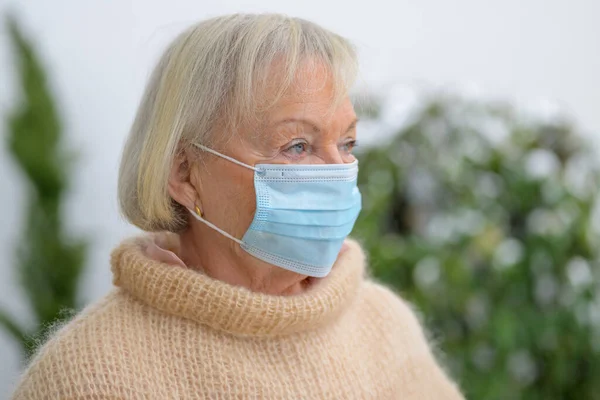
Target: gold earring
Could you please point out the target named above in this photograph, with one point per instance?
(198, 211)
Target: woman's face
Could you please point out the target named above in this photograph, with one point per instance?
(301, 128)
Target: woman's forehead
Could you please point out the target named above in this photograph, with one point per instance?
(312, 98)
(313, 91)
(316, 108)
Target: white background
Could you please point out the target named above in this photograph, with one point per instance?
(99, 54)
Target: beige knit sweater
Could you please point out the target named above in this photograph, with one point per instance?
(168, 332)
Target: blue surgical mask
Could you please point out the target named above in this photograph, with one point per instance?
(303, 214)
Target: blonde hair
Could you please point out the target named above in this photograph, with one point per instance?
(209, 75)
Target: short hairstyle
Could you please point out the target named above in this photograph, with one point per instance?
(208, 76)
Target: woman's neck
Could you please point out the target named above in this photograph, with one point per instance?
(222, 259)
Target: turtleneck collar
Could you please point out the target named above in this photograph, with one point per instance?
(190, 294)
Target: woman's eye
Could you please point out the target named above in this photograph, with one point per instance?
(297, 148)
(349, 146)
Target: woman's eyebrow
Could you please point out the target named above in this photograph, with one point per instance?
(352, 124)
(312, 124)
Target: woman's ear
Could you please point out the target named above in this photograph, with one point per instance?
(183, 182)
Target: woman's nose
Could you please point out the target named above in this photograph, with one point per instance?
(332, 155)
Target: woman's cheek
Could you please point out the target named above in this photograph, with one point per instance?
(245, 206)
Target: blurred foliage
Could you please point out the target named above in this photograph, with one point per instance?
(487, 221)
(49, 263)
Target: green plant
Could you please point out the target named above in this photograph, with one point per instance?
(488, 222)
(49, 263)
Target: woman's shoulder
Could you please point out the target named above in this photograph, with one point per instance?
(396, 317)
(389, 303)
(94, 317)
(397, 325)
(81, 350)
(105, 313)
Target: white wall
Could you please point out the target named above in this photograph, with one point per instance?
(99, 56)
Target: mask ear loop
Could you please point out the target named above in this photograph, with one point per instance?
(198, 214)
(216, 228)
(233, 160)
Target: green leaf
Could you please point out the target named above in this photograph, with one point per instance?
(13, 328)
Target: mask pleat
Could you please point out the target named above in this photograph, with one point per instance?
(318, 253)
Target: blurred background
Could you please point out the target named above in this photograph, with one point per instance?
(479, 169)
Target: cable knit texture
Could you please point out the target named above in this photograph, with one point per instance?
(168, 332)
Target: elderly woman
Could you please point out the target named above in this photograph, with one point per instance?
(240, 161)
